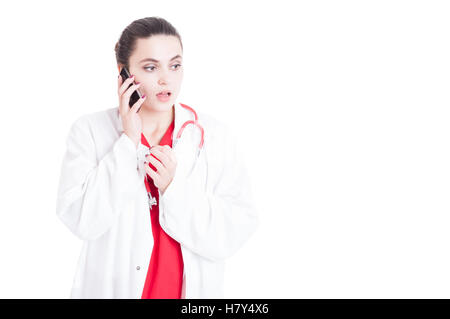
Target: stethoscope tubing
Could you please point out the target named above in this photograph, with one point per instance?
(194, 122)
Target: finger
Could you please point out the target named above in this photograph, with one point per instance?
(137, 105)
(166, 161)
(169, 151)
(150, 172)
(156, 163)
(122, 108)
(123, 87)
(130, 91)
(125, 99)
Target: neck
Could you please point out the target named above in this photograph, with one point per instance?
(155, 122)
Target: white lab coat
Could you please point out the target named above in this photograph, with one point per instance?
(102, 199)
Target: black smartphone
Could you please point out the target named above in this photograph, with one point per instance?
(136, 95)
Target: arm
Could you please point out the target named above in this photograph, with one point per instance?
(212, 224)
(91, 193)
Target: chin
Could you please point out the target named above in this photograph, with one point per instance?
(159, 106)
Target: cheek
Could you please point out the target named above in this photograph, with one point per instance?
(149, 89)
(177, 81)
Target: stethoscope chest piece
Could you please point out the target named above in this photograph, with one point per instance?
(151, 200)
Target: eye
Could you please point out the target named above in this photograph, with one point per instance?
(179, 65)
(149, 67)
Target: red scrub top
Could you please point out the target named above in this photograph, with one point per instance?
(165, 273)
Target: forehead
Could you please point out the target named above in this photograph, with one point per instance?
(159, 47)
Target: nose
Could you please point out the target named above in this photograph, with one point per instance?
(162, 78)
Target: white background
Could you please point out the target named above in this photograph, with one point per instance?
(342, 108)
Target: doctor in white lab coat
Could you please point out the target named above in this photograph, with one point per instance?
(207, 207)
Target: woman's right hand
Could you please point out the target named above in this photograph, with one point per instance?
(131, 120)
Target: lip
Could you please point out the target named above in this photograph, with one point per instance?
(164, 92)
(163, 97)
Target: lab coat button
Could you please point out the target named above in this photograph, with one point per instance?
(138, 267)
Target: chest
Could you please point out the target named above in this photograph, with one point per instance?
(153, 139)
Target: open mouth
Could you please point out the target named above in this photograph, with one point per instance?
(164, 93)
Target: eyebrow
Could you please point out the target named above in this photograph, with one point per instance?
(154, 60)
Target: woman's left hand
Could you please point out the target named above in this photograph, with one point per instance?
(161, 158)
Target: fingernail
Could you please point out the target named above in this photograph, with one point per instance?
(138, 82)
(143, 96)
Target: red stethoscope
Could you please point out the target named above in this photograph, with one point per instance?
(151, 199)
(194, 122)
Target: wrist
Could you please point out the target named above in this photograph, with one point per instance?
(135, 140)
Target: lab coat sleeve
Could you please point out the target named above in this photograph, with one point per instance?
(213, 224)
(92, 193)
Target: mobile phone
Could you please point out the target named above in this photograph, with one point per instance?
(136, 95)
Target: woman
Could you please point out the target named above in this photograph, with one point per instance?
(157, 225)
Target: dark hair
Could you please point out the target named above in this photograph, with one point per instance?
(138, 29)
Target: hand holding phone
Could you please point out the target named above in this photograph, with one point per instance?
(129, 107)
(125, 74)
